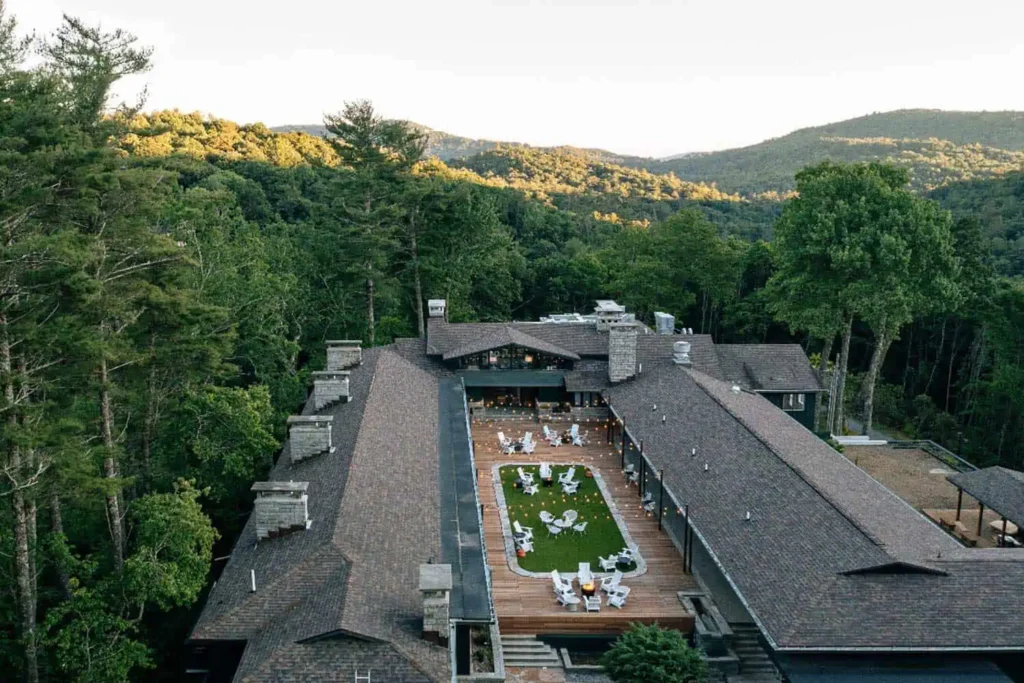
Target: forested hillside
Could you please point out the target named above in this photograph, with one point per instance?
(169, 281)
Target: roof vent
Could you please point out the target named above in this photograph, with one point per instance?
(681, 353)
(735, 388)
(343, 354)
(437, 308)
(664, 323)
(309, 435)
(281, 507)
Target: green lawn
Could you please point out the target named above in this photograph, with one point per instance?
(565, 551)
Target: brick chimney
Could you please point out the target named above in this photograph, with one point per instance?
(329, 386)
(621, 351)
(281, 507)
(343, 354)
(436, 587)
(309, 435)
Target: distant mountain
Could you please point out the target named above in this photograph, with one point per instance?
(938, 147)
(446, 146)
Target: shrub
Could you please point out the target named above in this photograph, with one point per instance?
(650, 654)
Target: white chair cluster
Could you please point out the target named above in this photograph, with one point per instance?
(569, 485)
(611, 585)
(567, 521)
(555, 439)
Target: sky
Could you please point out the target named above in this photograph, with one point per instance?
(646, 78)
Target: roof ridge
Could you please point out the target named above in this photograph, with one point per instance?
(774, 451)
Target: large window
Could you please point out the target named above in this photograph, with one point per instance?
(514, 358)
(793, 402)
(587, 399)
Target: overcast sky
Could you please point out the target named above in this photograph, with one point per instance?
(648, 78)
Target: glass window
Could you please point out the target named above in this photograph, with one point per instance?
(793, 402)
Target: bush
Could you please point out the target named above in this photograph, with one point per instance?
(650, 654)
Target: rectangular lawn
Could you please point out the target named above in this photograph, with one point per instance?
(565, 551)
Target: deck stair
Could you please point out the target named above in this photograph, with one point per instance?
(527, 651)
(755, 664)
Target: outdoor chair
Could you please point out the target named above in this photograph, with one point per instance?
(520, 531)
(571, 488)
(553, 438)
(580, 528)
(592, 603)
(560, 583)
(525, 545)
(570, 516)
(610, 583)
(547, 517)
(529, 446)
(607, 563)
(629, 470)
(618, 598)
(648, 502)
(506, 444)
(545, 470)
(633, 477)
(525, 477)
(583, 575)
(554, 530)
(531, 490)
(574, 433)
(567, 599)
(566, 477)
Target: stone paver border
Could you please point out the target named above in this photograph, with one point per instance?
(506, 524)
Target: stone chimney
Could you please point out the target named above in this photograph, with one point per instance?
(621, 351)
(329, 386)
(309, 435)
(681, 353)
(343, 354)
(607, 312)
(664, 323)
(280, 508)
(436, 587)
(437, 308)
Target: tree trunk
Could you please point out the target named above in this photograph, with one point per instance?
(938, 356)
(57, 527)
(868, 390)
(952, 357)
(24, 576)
(839, 423)
(417, 286)
(826, 351)
(110, 470)
(369, 310)
(149, 424)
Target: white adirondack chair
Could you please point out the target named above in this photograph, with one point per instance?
(531, 490)
(529, 445)
(607, 563)
(520, 531)
(553, 438)
(577, 438)
(571, 488)
(525, 477)
(560, 583)
(610, 583)
(583, 575)
(566, 477)
(545, 470)
(567, 599)
(618, 598)
(525, 545)
(592, 603)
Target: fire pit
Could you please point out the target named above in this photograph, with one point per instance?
(587, 589)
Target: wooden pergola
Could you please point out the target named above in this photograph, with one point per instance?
(1001, 489)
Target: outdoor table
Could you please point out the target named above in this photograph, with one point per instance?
(562, 524)
(997, 526)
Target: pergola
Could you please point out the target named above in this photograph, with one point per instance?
(1000, 488)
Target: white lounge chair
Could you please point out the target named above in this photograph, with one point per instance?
(525, 477)
(567, 599)
(648, 502)
(554, 530)
(547, 517)
(553, 438)
(618, 598)
(583, 575)
(633, 477)
(570, 516)
(520, 531)
(525, 545)
(610, 583)
(567, 476)
(571, 488)
(529, 445)
(561, 584)
(545, 470)
(580, 528)
(531, 490)
(607, 564)
(592, 603)
(574, 433)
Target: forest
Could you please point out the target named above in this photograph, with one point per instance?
(168, 281)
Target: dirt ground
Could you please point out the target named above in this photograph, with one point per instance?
(912, 474)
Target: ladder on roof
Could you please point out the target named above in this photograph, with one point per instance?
(363, 679)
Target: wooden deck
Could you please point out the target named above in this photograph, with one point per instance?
(527, 605)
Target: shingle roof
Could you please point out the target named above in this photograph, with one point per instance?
(507, 336)
(788, 562)
(375, 517)
(580, 338)
(996, 487)
(767, 367)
